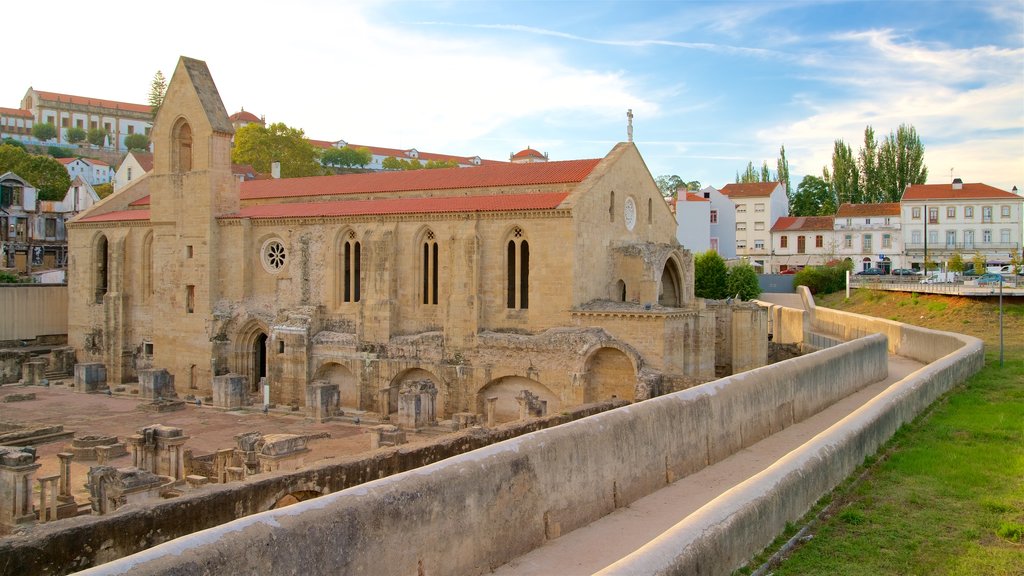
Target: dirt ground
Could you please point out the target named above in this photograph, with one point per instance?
(208, 428)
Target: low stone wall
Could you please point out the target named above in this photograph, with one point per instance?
(447, 518)
(724, 534)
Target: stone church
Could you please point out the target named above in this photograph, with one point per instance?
(560, 278)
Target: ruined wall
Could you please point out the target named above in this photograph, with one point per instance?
(545, 484)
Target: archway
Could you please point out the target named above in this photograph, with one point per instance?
(412, 375)
(251, 354)
(342, 377)
(865, 263)
(259, 361)
(506, 389)
(610, 374)
(670, 293)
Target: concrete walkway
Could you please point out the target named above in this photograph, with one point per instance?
(594, 547)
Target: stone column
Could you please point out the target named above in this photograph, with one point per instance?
(17, 467)
(383, 398)
(492, 402)
(48, 497)
(65, 475)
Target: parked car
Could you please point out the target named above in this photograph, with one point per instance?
(871, 272)
(788, 271)
(989, 278)
(904, 272)
(971, 272)
(940, 278)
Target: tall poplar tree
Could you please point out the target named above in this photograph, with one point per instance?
(845, 177)
(901, 162)
(870, 187)
(782, 168)
(157, 90)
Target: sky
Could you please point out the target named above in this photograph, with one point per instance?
(712, 85)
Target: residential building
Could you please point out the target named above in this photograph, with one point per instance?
(693, 217)
(758, 206)
(32, 232)
(64, 111)
(798, 241)
(869, 236)
(93, 171)
(969, 218)
(16, 124)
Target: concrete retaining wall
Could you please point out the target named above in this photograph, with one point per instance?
(33, 310)
(725, 533)
(474, 512)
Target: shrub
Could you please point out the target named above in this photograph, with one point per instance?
(742, 281)
(823, 279)
(710, 276)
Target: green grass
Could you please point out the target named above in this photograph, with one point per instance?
(946, 495)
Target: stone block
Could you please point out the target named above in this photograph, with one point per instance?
(20, 397)
(33, 371)
(229, 391)
(156, 384)
(324, 399)
(90, 377)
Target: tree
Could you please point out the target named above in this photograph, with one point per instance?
(1017, 261)
(76, 134)
(979, 263)
(97, 136)
(44, 131)
(12, 142)
(782, 168)
(742, 281)
(813, 197)
(845, 178)
(867, 161)
(434, 164)
(58, 152)
(710, 276)
(44, 173)
(103, 190)
(956, 263)
(900, 163)
(346, 157)
(392, 163)
(766, 174)
(749, 175)
(668, 184)
(136, 142)
(259, 146)
(157, 90)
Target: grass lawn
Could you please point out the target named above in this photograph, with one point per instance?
(946, 494)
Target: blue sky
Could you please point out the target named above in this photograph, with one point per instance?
(712, 85)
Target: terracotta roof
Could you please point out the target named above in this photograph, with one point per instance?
(244, 116)
(145, 160)
(398, 153)
(795, 223)
(882, 209)
(120, 216)
(975, 190)
(65, 161)
(15, 112)
(501, 174)
(98, 102)
(528, 153)
(749, 190)
(691, 197)
(144, 201)
(95, 162)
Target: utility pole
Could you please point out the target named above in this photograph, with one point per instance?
(925, 263)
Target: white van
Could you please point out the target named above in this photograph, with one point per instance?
(939, 278)
(1004, 269)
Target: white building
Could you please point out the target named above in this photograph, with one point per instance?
(693, 221)
(16, 124)
(758, 206)
(132, 167)
(869, 236)
(972, 218)
(93, 171)
(799, 241)
(64, 111)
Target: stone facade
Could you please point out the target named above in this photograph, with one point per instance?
(562, 278)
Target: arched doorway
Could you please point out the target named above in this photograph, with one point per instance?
(412, 375)
(259, 361)
(865, 263)
(670, 293)
(342, 377)
(506, 408)
(250, 356)
(610, 374)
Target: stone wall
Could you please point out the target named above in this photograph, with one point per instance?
(442, 518)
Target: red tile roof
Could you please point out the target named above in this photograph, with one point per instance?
(500, 174)
(497, 203)
(15, 112)
(975, 190)
(120, 216)
(882, 209)
(528, 153)
(244, 116)
(95, 162)
(795, 223)
(691, 197)
(397, 153)
(65, 161)
(145, 160)
(97, 102)
(749, 190)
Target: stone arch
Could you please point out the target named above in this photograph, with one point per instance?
(506, 389)
(181, 146)
(346, 381)
(347, 263)
(412, 375)
(611, 372)
(517, 268)
(100, 267)
(147, 265)
(670, 288)
(619, 291)
(251, 358)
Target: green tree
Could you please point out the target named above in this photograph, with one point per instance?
(44, 131)
(823, 279)
(44, 173)
(346, 157)
(956, 263)
(900, 162)
(766, 173)
(1017, 261)
(157, 91)
(845, 178)
(259, 146)
(813, 197)
(710, 276)
(782, 167)
(668, 184)
(979, 262)
(392, 163)
(434, 164)
(76, 135)
(58, 152)
(867, 161)
(97, 136)
(742, 282)
(12, 142)
(136, 142)
(749, 175)
(929, 264)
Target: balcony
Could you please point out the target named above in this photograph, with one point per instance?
(961, 246)
(873, 226)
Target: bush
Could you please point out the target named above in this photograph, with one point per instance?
(9, 278)
(823, 279)
(58, 152)
(13, 142)
(710, 276)
(742, 281)
(43, 132)
(136, 142)
(76, 134)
